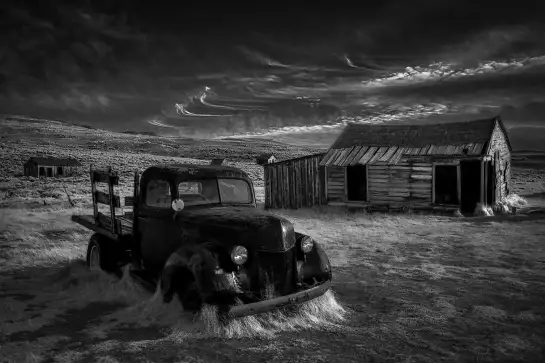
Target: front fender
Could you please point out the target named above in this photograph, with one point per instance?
(314, 266)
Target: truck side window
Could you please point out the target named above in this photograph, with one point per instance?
(158, 194)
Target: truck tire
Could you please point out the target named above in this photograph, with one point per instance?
(102, 254)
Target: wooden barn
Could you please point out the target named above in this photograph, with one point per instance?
(50, 167)
(446, 167)
(295, 183)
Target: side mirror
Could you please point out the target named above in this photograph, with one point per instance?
(177, 206)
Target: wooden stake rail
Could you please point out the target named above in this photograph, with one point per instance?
(111, 179)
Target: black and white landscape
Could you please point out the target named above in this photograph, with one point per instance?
(130, 84)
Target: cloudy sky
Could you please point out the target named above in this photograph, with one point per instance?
(215, 70)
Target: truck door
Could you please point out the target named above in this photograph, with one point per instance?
(159, 233)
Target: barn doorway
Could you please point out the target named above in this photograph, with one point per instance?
(471, 185)
(446, 184)
(59, 170)
(356, 183)
(41, 171)
(50, 172)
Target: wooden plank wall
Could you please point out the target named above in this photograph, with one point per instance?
(336, 184)
(407, 183)
(296, 183)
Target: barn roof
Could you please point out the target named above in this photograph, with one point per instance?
(54, 161)
(365, 143)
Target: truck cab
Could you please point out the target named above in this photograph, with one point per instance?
(201, 192)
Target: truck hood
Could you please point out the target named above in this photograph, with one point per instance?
(244, 226)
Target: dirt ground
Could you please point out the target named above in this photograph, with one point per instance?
(415, 289)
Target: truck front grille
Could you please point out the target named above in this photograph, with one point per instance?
(276, 273)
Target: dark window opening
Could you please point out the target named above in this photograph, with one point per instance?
(356, 183)
(446, 184)
(59, 170)
(50, 172)
(42, 171)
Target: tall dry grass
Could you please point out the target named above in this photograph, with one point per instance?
(143, 309)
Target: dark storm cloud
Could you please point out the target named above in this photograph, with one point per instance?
(222, 68)
(422, 29)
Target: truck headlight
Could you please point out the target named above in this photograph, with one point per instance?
(239, 255)
(307, 244)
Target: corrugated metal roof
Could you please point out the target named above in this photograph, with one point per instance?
(362, 144)
(353, 152)
(368, 155)
(391, 155)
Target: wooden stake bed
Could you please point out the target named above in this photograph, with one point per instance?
(112, 226)
(104, 225)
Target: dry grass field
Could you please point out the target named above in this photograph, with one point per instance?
(407, 288)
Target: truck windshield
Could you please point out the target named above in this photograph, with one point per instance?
(213, 191)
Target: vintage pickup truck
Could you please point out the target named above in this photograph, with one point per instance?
(195, 231)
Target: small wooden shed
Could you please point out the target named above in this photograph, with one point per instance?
(446, 166)
(266, 159)
(217, 161)
(295, 183)
(38, 166)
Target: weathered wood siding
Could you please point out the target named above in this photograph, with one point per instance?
(30, 170)
(295, 183)
(501, 161)
(336, 184)
(407, 183)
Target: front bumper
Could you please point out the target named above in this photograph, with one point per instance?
(278, 302)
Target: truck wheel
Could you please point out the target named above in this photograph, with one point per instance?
(101, 255)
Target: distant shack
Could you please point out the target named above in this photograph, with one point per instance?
(50, 167)
(264, 159)
(217, 161)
